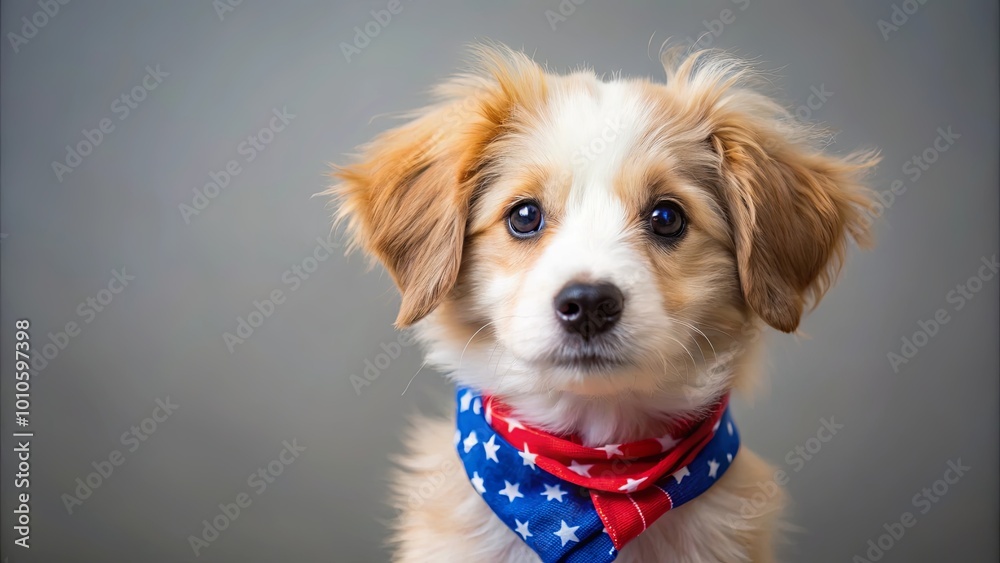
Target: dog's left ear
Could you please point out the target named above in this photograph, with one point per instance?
(792, 207)
(406, 199)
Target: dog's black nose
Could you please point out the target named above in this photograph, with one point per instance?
(589, 309)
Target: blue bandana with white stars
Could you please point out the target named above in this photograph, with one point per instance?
(556, 518)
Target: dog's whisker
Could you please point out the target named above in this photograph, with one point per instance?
(412, 378)
(502, 377)
(490, 359)
(694, 322)
(503, 350)
(694, 363)
(462, 357)
(705, 336)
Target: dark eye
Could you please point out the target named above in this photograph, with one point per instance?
(667, 220)
(525, 219)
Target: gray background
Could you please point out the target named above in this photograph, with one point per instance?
(162, 335)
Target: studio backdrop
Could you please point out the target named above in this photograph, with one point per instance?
(211, 379)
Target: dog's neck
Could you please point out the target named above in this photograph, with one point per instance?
(627, 416)
(598, 420)
(615, 418)
(613, 414)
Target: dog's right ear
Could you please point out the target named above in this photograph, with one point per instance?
(405, 202)
(406, 198)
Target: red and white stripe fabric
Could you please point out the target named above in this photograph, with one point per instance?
(622, 478)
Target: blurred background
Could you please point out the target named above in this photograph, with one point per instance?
(195, 327)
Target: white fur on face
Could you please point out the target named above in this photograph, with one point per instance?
(585, 136)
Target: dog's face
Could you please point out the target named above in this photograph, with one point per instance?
(597, 246)
(569, 234)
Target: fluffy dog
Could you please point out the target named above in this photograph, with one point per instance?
(597, 256)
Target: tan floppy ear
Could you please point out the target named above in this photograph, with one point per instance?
(792, 207)
(792, 210)
(406, 206)
(406, 198)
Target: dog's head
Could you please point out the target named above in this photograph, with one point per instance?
(572, 234)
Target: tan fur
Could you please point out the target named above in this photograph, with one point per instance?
(769, 217)
(408, 179)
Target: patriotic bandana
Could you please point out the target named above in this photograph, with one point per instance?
(572, 503)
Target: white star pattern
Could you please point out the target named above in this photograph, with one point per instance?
(611, 449)
(491, 448)
(527, 457)
(477, 482)
(511, 491)
(522, 528)
(632, 485)
(567, 533)
(553, 493)
(580, 469)
(528, 492)
(512, 424)
(470, 441)
(667, 442)
(713, 468)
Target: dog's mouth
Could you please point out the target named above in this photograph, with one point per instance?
(588, 362)
(587, 359)
(601, 353)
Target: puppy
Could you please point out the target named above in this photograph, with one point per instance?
(591, 262)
